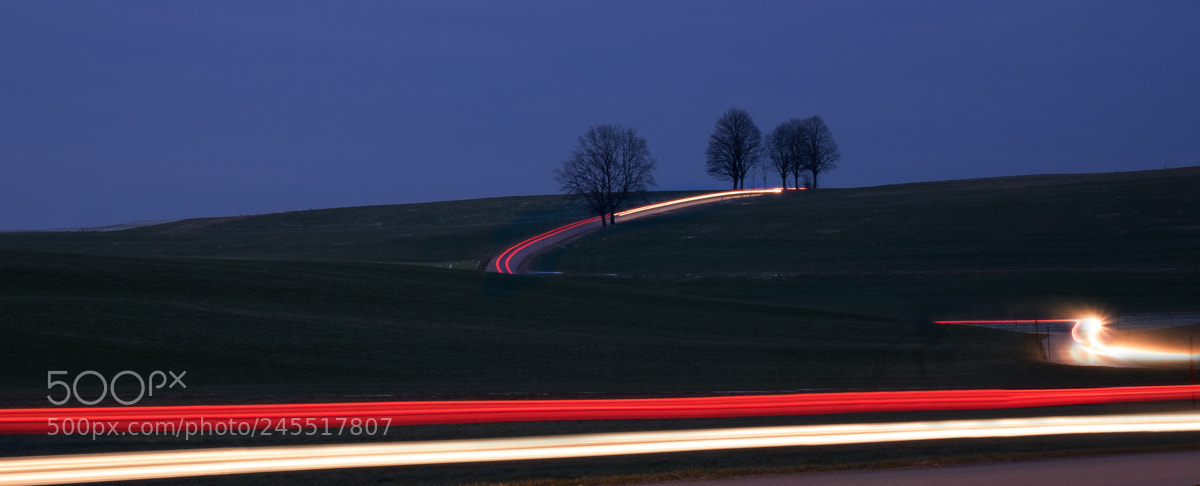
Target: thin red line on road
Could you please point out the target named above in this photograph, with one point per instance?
(508, 254)
(1007, 321)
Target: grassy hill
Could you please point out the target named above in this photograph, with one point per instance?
(821, 290)
(825, 290)
(443, 233)
(459, 234)
(987, 248)
(1145, 221)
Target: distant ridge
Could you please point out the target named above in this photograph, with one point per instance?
(100, 229)
(1055, 219)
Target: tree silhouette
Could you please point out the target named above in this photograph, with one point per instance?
(817, 150)
(734, 147)
(608, 164)
(782, 149)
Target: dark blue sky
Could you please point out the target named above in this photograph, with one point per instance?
(120, 111)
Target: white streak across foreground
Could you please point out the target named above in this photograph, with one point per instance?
(510, 260)
(170, 464)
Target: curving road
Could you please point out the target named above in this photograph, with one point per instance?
(512, 259)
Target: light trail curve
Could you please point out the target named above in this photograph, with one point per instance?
(510, 260)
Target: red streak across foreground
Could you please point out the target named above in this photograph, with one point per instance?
(37, 420)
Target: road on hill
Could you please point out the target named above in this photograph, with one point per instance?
(512, 260)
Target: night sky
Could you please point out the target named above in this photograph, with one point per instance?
(120, 111)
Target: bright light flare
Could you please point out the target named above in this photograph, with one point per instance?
(172, 464)
(1091, 343)
(1091, 340)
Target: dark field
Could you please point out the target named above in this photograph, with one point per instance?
(462, 234)
(833, 289)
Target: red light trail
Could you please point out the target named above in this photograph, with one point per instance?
(503, 261)
(1014, 321)
(507, 255)
(39, 420)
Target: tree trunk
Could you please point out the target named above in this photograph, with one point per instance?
(814, 181)
(784, 182)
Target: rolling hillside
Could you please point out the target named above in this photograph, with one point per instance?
(1028, 246)
(822, 290)
(460, 233)
(1139, 221)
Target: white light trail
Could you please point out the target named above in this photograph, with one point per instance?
(1091, 346)
(168, 464)
(702, 197)
(503, 263)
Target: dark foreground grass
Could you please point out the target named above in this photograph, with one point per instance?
(286, 330)
(298, 331)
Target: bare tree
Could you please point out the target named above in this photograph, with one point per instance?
(734, 147)
(795, 141)
(782, 149)
(818, 152)
(609, 164)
